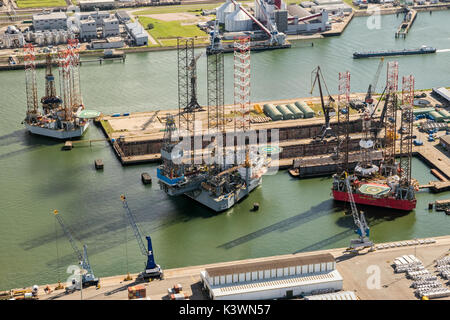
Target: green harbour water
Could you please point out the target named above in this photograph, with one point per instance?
(36, 177)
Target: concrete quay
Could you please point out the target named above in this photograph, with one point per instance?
(353, 267)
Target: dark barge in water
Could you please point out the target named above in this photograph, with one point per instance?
(382, 53)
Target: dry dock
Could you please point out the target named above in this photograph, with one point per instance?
(355, 270)
(137, 137)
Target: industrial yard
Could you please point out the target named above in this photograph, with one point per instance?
(260, 159)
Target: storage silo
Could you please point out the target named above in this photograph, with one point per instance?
(287, 114)
(238, 21)
(307, 111)
(223, 11)
(271, 111)
(298, 114)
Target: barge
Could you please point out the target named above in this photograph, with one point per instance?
(383, 53)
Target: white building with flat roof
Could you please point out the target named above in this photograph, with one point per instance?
(88, 29)
(271, 279)
(50, 21)
(137, 33)
(110, 27)
(99, 4)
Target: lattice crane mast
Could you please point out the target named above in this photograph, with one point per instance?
(152, 270)
(360, 222)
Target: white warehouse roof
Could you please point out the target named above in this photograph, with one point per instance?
(344, 295)
(443, 92)
(49, 16)
(261, 289)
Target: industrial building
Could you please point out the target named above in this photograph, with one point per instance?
(344, 295)
(108, 43)
(97, 15)
(137, 32)
(442, 93)
(291, 19)
(123, 16)
(332, 6)
(110, 27)
(13, 38)
(444, 141)
(50, 21)
(86, 24)
(271, 279)
(86, 5)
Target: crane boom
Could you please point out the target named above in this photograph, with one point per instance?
(68, 235)
(134, 226)
(373, 84)
(360, 221)
(88, 277)
(151, 268)
(325, 108)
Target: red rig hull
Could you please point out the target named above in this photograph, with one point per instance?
(388, 202)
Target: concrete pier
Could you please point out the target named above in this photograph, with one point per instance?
(353, 268)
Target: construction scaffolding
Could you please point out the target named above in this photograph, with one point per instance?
(242, 84)
(390, 120)
(343, 125)
(30, 81)
(406, 131)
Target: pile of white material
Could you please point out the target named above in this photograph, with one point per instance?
(443, 267)
(408, 263)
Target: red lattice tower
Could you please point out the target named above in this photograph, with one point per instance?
(343, 131)
(65, 80)
(72, 46)
(30, 76)
(344, 88)
(392, 76)
(242, 83)
(408, 90)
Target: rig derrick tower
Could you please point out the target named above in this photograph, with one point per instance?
(343, 130)
(65, 83)
(74, 64)
(390, 120)
(30, 82)
(242, 82)
(50, 100)
(406, 136)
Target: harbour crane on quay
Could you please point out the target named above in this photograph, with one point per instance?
(152, 270)
(326, 130)
(373, 85)
(88, 277)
